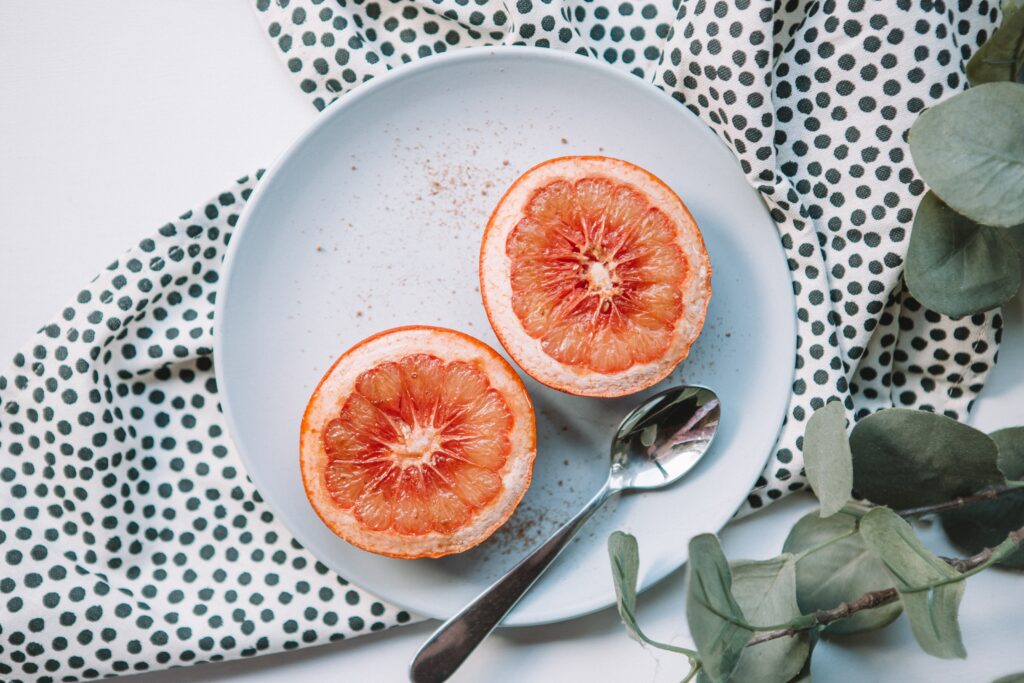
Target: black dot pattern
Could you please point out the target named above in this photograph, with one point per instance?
(814, 97)
(130, 537)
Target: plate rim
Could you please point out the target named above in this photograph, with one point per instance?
(336, 109)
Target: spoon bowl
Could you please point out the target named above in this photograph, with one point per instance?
(656, 444)
(662, 439)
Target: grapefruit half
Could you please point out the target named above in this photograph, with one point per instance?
(418, 442)
(594, 276)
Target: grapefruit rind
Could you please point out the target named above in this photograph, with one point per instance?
(338, 384)
(496, 276)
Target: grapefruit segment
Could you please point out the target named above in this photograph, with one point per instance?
(448, 511)
(373, 509)
(418, 442)
(475, 486)
(594, 276)
(382, 386)
(346, 483)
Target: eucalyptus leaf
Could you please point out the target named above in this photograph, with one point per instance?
(985, 524)
(711, 610)
(1012, 678)
(1001, 58)
(804, 675)
(766, 593)
(907, 458)
(970, 150)
(1010, 443)
(1015, 236)
(841, 569)
(625, 559)
(827, 458)
(933, 613)
(957, 267)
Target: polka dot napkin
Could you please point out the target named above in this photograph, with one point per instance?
(130, 537)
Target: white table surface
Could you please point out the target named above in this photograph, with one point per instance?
(116, 115)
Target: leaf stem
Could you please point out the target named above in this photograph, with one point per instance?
(695, 667)
(987, 494)
(692, 654)
(671, 648)
(967, 567)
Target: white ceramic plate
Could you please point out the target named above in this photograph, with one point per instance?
(373, 219)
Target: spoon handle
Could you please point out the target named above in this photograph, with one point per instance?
(456, 639)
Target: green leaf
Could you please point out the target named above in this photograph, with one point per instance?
(766, 594)
(625, 560)
(1015, 236)
(932, 611)
(827, 458)
(1012, 678)
(957, 267)
(841, 568)
(1010, 443)
(985, 524)
(712, 612)
(970, 150)
(907, 458)
(804, 675)
(1001, 58)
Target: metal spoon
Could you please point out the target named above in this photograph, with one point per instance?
(657, 443)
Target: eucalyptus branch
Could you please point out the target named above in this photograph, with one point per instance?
(823, 617)
(966, 566)
(980, 562)
(957, 503)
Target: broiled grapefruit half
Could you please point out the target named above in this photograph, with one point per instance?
(594, 276)
(418, 442)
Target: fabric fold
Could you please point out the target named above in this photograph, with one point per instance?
(131, 538)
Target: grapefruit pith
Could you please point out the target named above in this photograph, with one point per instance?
(418, 442)
(594, 276)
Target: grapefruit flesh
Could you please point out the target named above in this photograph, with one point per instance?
(419, 442)
(594, 276)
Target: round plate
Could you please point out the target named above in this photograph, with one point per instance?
(373, 219)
